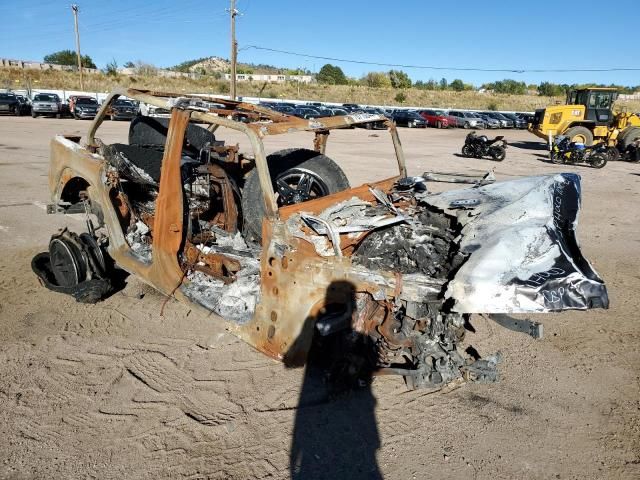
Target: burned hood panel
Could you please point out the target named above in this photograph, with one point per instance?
(523, 256)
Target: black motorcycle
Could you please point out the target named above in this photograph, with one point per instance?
(564, 151)
(478, 146)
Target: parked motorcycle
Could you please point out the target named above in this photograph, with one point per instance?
(479, 146)
(564, 151)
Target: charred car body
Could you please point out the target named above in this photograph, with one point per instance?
(283, 249)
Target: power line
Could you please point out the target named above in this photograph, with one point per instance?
(459, 69)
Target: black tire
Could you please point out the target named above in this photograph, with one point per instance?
(613, 154)
(580, 133)
(18, 111)
(466, 151)
(33, 114)
(598, 160)
(283, 164)
(557, 158)
(627, 137)
(498, 153)
(466, 126)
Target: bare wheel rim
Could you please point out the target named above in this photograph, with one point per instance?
(579, 138)
(298, 185)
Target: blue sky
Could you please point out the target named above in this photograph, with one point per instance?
(488, 34)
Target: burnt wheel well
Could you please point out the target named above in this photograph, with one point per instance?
(71, 191)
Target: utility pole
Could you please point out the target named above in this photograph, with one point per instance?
(74, 8)
(234, 49)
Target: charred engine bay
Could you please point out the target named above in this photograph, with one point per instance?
(420, 340)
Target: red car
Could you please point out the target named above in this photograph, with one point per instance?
(436, 118)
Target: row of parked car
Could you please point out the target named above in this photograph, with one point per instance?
(86, 107)
(410, 118)
(76, 106)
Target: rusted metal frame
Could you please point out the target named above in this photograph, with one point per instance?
(320, 141)
(230, 209)
(168, 222)
(235, 106)
(260, 158)
(291, 124)
(100, 116)
(320, 124)
(317, 205)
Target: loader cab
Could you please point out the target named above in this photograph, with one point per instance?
(598, 103)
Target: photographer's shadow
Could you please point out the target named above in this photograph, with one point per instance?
(335, 434)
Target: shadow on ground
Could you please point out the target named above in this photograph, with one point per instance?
(527, 145)
(335, 433)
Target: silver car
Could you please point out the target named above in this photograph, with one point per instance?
(504, 121)
(489, 122)
(46, 104)
(465, 119)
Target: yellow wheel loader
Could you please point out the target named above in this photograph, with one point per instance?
(589, 118)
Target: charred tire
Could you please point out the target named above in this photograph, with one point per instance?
(326, 178)
(598, 160)
(577, 134)
(498, 153)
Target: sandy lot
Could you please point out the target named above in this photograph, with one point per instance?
(114, 390)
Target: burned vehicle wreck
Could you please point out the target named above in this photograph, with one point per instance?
(284, 250)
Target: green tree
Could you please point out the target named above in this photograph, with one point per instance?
(509, 86)
(548, 89)
(457, 85)
(444, 84)
(332, 75)
(400, 97)
(399, 79)
(376, 80)
(68, 57)
(112, 68)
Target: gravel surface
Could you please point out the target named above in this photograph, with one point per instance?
(114, 390)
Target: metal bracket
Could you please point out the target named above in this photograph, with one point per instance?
(534, 329)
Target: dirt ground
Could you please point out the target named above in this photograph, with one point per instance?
(114, 390)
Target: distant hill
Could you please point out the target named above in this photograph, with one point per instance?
(212, 65)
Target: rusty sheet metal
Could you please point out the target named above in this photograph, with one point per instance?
(317, 205)
(217, 265)
(294, 283)
(168, 222)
